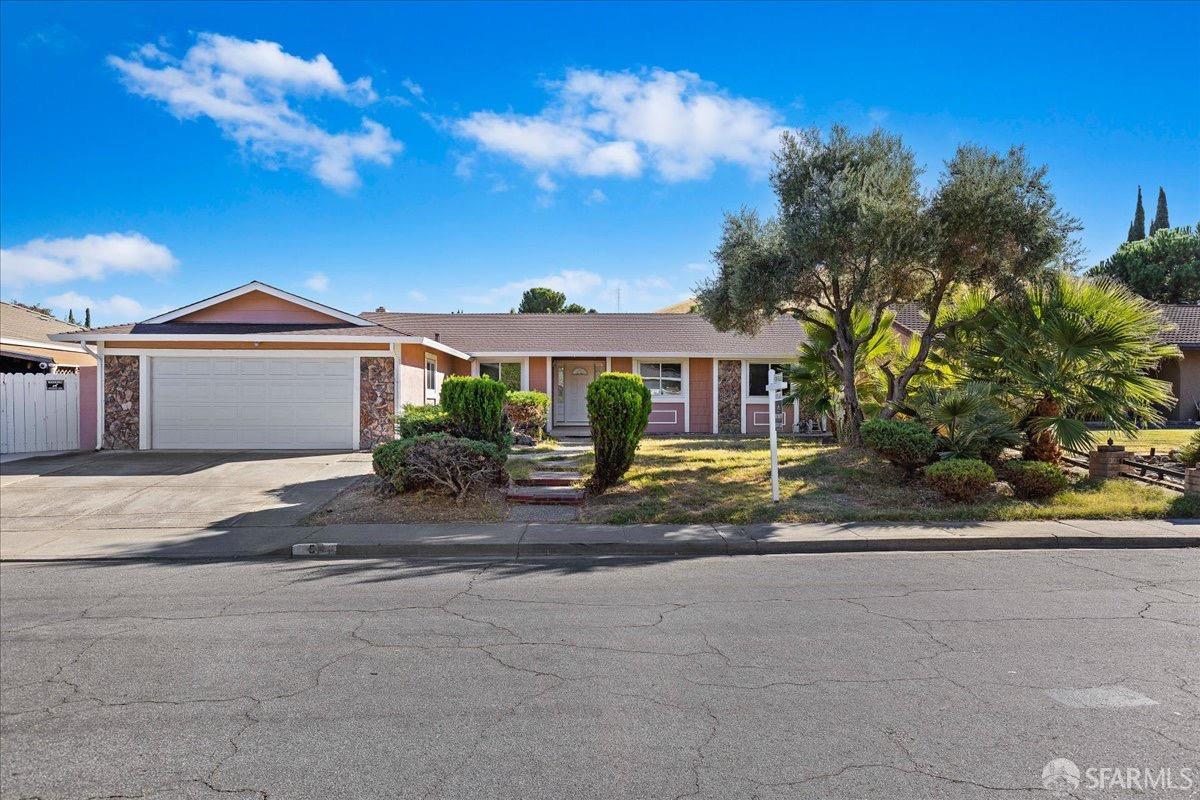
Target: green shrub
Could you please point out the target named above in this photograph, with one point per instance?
(1034, 480)
(619, 408)
(1189, 454)
(476, 408)
(905, 444)
(962, 479)
(452, 464)
(388, 462)
(418, 420)
(527, 411)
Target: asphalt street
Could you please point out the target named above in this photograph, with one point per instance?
(893, 675)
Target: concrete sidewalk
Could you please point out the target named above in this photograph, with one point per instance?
(538, 540)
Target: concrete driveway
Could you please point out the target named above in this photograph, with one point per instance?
(165, 503)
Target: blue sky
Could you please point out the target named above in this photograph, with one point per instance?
(437, 157)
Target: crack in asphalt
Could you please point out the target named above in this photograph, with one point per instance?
(722, 669)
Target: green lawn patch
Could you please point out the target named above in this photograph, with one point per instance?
(715, 480)
(1163, 439)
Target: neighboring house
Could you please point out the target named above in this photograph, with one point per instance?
(25, 344)
(1183, 373)
(260, 368)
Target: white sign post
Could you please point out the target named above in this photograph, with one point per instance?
(774, 384)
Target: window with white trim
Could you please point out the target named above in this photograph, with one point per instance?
(430, 373)
(758, 378)
(506, 372)
(662, 378)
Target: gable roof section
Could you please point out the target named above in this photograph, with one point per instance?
(21, 325)
(258, 286)
(600, 334)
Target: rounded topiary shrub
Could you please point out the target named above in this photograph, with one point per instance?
(1034, 480)
(476, 407)
(618, 406)
(962, 479)
(417, 420)
(527, 411)
(906, 444)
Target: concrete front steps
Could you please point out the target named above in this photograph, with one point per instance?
(548, 487)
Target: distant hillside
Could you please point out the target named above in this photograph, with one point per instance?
(682, 307)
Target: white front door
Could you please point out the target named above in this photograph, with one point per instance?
(571, 382)
(230, 403)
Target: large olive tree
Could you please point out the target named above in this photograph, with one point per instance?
(854, 234)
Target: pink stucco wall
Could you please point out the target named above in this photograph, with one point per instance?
(257, 307)
(666, 418)
(87, 408)
(758, 414)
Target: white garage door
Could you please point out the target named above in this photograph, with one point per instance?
(252, 403)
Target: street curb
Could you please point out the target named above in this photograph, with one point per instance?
(750, 547)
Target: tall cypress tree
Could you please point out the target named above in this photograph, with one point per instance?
(87, 318)
(1161, 221)
(1137, 228)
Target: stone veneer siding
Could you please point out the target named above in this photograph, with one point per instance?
(121, 398)
(376, 401)
(729, 396)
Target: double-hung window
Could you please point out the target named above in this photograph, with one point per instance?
(506, 372)
(663, 378)
(758, 378)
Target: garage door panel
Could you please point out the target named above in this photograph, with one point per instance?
(252, 403)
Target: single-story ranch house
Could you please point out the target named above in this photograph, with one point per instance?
(260, 368)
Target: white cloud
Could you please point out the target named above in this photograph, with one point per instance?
(413, 88)
(245, 88)
(91, 257)
(696, 266)
(464, 167)
(317, 282)
(580, 286)
(546, 183)
(616, 123)
(596, 196)
(115, 309)
(416, 295)
(572, 282)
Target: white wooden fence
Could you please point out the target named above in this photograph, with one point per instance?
(39, 413)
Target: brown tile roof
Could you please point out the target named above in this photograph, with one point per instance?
(21, 323)
(911, 316)
(149, 330)
(1186, 320)
(593, 333)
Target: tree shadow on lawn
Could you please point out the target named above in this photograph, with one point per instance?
(828, 484)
